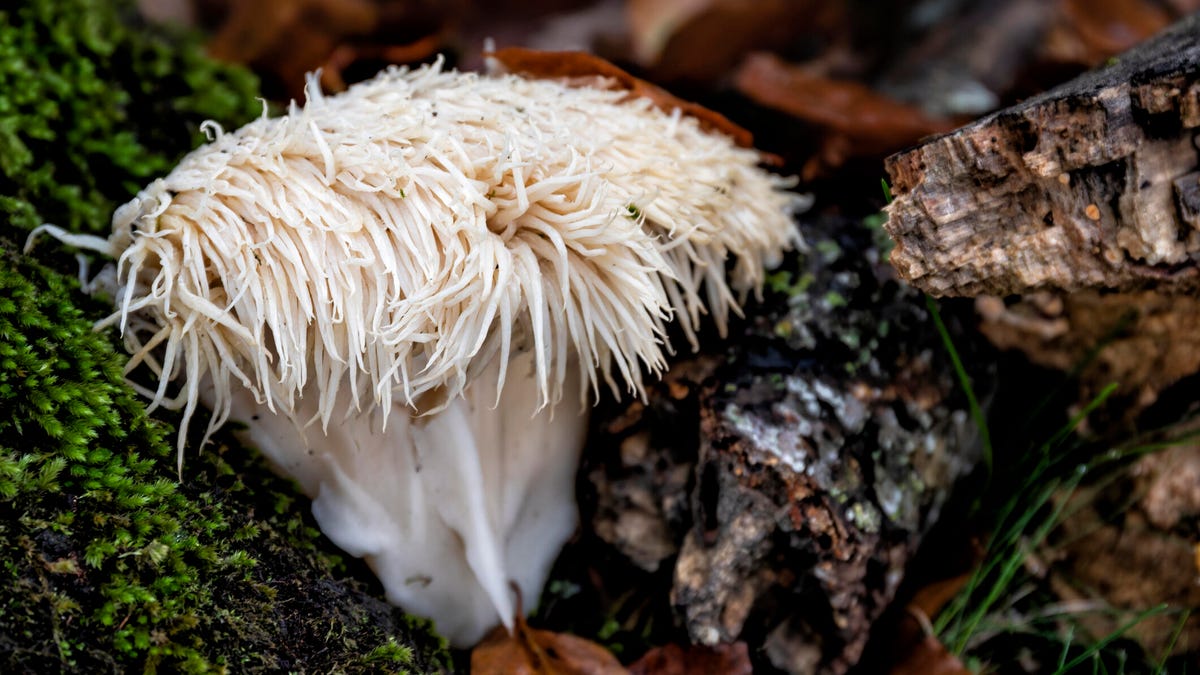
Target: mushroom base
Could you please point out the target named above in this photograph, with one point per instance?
(448, 509)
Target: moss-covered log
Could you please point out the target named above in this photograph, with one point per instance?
(109, 561)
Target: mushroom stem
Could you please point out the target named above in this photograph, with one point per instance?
(446, 508)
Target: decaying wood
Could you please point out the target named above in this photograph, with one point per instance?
(785, 484)
(1143, 341)
(1092, 184)
(1146, 558)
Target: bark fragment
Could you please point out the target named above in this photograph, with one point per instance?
(1083, 186)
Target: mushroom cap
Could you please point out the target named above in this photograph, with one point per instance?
(394, 239)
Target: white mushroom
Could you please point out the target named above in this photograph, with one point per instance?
(410, 292)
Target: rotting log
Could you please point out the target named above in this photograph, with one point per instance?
(1143, 340)
(1145, 558)
(781, 487)
(1092, 184)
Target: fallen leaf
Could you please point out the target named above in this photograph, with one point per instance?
(288, 38)
(590, 70)
(724, 659)
(283, 40)
(930, 599)
(529, 651)
(858, 121)
(915, 650)
(701, 40)
(347, 55)
(1090, 31)
(930, 657)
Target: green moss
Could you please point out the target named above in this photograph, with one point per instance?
(390, 654)
(108, 563)
(91, 109)
(72, 436)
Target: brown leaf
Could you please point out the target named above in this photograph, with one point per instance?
(346, 55)
(724, 659)
(271, 29)
(930, 599)
(914, 649)
(701, 40)
(590, 70)
(859, 121)
(529, 651)
(283, 40)
(1090, 31)
(930, 657)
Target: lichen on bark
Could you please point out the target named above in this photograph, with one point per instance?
(789, 483)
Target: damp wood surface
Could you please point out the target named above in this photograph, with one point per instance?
(1093, 184)
(781, 488)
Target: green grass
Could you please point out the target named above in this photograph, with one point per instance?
(1003, 607)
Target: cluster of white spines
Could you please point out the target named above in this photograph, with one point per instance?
(395, 238)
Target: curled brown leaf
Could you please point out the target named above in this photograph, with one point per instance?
(589, 69)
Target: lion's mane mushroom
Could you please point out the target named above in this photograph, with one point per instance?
(409, 292)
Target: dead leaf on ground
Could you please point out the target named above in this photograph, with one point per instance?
(930, 657)
(917, 651)
(344, 56)
(289, 38)
(529, 651)
(724, 659)
(933, 596)
(1090, 31)
(589, 70)
(858, 121)
(284, 40)
(701, 40)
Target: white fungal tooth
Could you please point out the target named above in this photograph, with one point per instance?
(394, 287)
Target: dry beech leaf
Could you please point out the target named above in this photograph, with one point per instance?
(529, 651)
(860, 122)
(1090, 31)
(930, 657)
(701, 40)
(288, 38)
(283, 40)
(918, 651)
(724, 659)
(345, 55)
(588, 69)
(931, 598)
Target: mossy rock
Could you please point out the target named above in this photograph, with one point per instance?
(109, 561)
